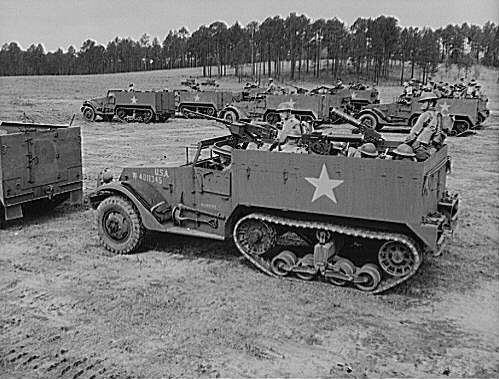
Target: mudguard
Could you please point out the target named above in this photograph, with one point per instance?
(241, 113)
(151, 205)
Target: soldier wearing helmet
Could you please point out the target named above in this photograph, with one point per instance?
(367, 150)
(426, 135)
(404, 152)
(470, 91)
(224, 156)
(292, 129)
(271, 87)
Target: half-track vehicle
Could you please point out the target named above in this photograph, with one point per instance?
(205, 102)
(467, 114)
(349, 221)
(360, 95)
(311, 108)
(38, 163)
(141, 106)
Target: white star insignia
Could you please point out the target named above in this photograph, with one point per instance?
(196, 98)
(354, 95)
(291, 102)
(323, 185)
(133, 100)
(444, 108)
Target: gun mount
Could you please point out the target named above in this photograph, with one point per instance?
(369, 134)
(245, 132)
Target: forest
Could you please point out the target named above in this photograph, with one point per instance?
(369, 49)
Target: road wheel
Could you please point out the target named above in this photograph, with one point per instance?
(148, 116)
(89, 114)
(119, 225)
(370, 275)
(121, 113)
(283, 262)
(230, 116)
(306, 262)
(370, 120)
(107, 118)
(345, 267)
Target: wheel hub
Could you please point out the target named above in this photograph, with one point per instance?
(116, 226)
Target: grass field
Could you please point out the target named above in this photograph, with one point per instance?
(194, 308)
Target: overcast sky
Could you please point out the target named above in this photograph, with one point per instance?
(60, 23)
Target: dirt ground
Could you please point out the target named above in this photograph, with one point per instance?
(194, 308)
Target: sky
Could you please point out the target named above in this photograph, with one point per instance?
(61, 23)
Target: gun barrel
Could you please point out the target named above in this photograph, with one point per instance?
(369, 133)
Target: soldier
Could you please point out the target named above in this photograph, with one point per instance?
(426, 135)
(271, 87)
(470, 91)
(367, 150)
(291, 127)
(404, 152)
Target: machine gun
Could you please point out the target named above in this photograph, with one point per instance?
(369, 134)
(299, 90)
(245, 131)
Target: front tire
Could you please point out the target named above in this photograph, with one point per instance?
(119, 224)
(230, 116)
(88, 114)
(371, 121)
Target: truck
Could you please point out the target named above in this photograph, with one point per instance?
(360, 95)
(365, 223)
(39, 163)
(466, 114)
(127, 106)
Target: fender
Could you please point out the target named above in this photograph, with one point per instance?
(89, 104)
(150, 204)
(373, 112)
(238, 111)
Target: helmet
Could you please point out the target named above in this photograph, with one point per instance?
(478, 85)
(404, 150)
(472, 82)
(130, 85)
(427, 96)
(271, 80)
(286, 106)
(369, 149)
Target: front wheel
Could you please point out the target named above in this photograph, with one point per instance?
(370, 121)
(119, 225)
(88, 114)
(230, 116)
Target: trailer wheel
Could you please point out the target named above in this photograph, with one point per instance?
(371, 121)
(89, 114)
(119, 225)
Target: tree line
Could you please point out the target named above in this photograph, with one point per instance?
(369, 49)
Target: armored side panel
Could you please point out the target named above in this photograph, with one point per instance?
(374, 192)
(204, 100)
(39, 163)
(466, 109)
(136, 98)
